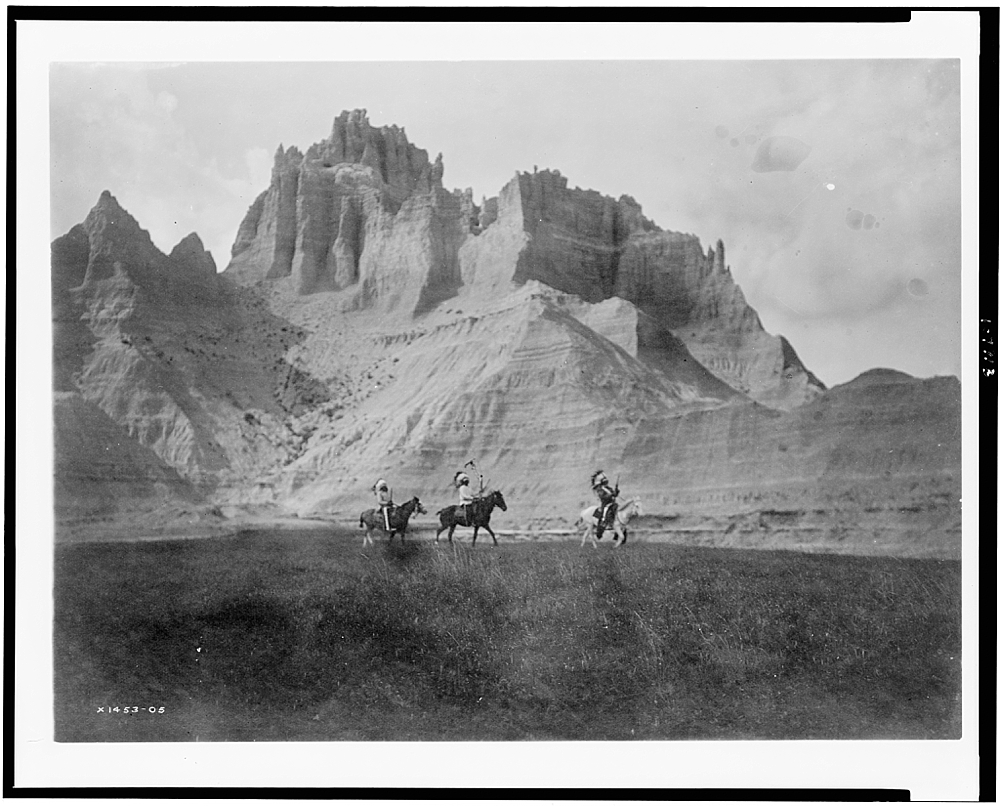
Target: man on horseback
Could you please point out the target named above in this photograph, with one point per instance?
(384, 498)
(472, 511)
(465, 495)
(608, 497)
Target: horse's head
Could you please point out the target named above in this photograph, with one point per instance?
(639, 511)
(417, 506)
(497, 497)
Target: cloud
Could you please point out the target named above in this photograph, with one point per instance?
(111, 131)
(191, 147)
(885, 136)
(166, 101)
(259, 163)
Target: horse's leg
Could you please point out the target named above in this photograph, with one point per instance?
(451, 532)
(486, 526)
(475, 531)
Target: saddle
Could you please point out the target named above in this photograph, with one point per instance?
(605, 514)
(462, 512)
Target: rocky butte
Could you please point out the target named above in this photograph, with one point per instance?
(372, 323)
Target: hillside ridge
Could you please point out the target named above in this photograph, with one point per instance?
(371, 323)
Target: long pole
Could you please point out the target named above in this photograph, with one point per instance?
(472, 462)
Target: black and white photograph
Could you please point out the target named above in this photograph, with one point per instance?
(424, 394)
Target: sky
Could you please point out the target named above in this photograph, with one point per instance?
(834, 184)
(186, 147)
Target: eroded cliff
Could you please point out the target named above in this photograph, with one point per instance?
(596, 247)
(363, 210)
(193, 368)
(371, 323)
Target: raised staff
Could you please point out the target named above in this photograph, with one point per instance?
(471, 511)
(608, 498)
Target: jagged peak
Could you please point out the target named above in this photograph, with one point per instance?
(791, 360)
(285, 158)
(190, 241)
(107, 212)
(191, 248)
(107, 203)
(190, 253)
(351, 116)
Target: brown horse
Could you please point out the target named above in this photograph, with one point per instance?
(399, 517)
(477, 515)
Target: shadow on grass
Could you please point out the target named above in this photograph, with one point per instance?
(529, 642)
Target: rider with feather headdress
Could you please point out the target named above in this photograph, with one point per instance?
(465, 494)
(383, 496)
(608, 496)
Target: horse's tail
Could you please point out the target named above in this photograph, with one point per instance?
(361, 520)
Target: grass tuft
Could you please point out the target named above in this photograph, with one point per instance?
(292, 636)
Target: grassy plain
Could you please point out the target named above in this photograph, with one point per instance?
(278, 636)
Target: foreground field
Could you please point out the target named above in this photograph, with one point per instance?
(299, 636)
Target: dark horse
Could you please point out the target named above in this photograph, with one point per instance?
(399, 517)
(477, 515)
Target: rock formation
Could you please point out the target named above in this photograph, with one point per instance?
(191, 367)
(595, 247)
(100, 471)
(372, 323)
(363, 210)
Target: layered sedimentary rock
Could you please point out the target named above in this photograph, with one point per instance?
(872, 466)
(540, 399)
(859, 439)
(596, 247)
(191, 367)
(363, 210)
(537, 385)
(571, 240)
(694, 294)
(101, 471)
(373, 324)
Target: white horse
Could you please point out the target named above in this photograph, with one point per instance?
(627, 511)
